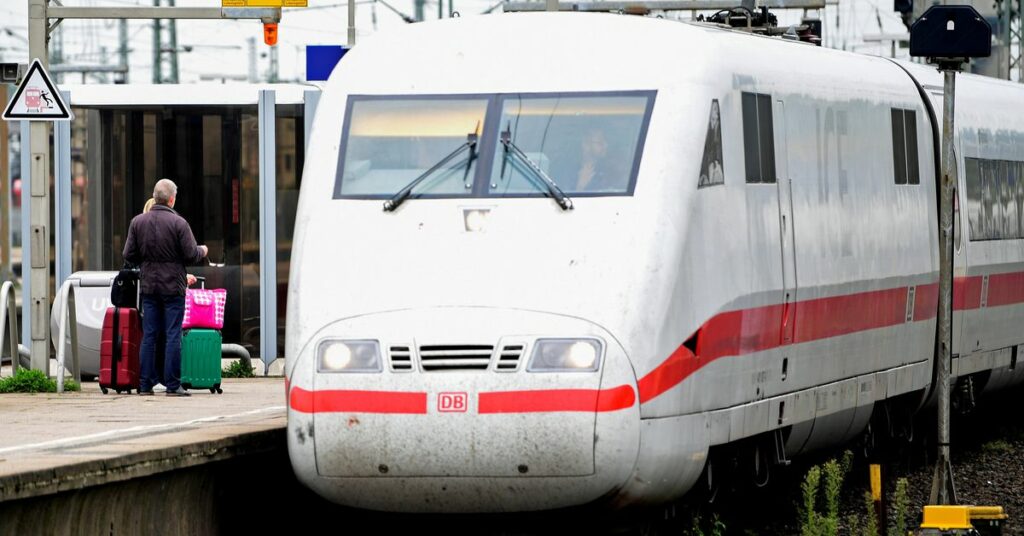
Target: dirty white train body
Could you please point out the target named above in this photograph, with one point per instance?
(751, 270)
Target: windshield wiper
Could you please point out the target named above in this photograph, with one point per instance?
(403, 194)
(538, 174)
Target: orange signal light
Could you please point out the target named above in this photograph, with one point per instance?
(270, 33)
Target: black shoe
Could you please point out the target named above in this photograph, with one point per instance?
(180, 391)
(146, 393)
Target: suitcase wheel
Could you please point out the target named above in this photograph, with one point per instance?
(103, 389)
(213, 390)
(217, 387)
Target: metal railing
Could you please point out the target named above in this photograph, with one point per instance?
(67, 315)
(9, 317)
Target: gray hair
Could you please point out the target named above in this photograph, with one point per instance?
(164, 190)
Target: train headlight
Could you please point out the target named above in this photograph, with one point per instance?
(565, 355)
(348, 356)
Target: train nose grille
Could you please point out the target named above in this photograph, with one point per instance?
(508, 360)
(462, 357)
(401, 358)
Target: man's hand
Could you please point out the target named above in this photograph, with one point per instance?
(191, 279)
(205, 250)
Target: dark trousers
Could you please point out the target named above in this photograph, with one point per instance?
(162, 316)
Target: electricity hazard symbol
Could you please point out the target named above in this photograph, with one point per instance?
(37, 98)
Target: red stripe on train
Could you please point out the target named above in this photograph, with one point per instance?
(338, 401)
(967, 293)
(556, 400)
(746, 331)
(1005, 289)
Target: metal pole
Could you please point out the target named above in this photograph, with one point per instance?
(419, 10)
(174, 47)
(104, 60)
(351, 22)
(62, 197)
(39, 294)
(26, 226)
(56, 52)
(272, 71)
(271, 14)
(268, 227)
(252, 60)
(158, 66)
(5, 200)
(122, 49)
(943, 489)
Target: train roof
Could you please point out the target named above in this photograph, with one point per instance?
(555, 51)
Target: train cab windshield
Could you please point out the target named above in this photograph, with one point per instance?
(589, 144)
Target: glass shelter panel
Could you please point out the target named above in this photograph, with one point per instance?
(212, 154)
(290, 146)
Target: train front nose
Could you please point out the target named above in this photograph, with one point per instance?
(486, 411)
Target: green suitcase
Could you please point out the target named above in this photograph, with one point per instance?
(200, 359)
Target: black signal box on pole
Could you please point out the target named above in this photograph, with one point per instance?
(951, 33)
(9, 73)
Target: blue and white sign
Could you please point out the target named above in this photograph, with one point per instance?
(321, 59)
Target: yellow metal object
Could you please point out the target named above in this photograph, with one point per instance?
(988, 512)
(876, 482)
(946, 517)
(264, 3)
(959, 516)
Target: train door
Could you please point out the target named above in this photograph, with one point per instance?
(785, 186)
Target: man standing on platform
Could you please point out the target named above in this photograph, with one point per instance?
(162, 243)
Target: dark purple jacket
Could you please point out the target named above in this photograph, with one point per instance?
(161, 242)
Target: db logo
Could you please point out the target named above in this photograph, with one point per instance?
(452, 402)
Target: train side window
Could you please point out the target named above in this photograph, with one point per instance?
(1019, 167)
(758, 138)
(1008, 190)
(711, 170)
(904, 146)
(972, 170)
(910, 128)
(995, 198)
(992, 204)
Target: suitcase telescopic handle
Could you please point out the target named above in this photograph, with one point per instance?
(202, 281)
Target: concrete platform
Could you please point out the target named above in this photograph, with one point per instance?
(52, 443)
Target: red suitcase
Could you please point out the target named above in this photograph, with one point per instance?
(119, 350)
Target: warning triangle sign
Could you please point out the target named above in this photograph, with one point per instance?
(37, 98)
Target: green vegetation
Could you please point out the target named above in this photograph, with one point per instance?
(813, 523)
(870, 519)
(238, 369)
(901, 503)
(828, 480)
(999, 446)
(714, 526)
(34, 381)
(810, 524)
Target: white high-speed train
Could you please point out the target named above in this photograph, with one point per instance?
(545, 260)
